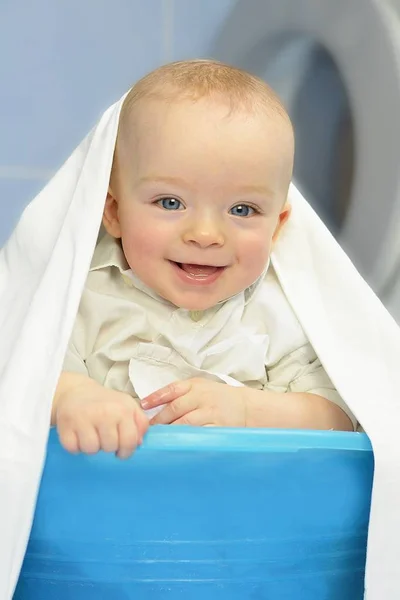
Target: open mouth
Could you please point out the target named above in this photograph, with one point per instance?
(198, 270)
(198, 273)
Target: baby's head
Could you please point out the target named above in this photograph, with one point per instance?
(200, 179)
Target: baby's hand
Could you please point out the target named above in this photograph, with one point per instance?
(199, 402)
(90, 418)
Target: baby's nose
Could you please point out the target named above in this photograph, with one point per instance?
(204, 233)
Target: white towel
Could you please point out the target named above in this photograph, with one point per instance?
(43, 268)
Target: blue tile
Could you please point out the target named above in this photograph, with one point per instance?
(195, 26)
(65, 62)
(15, 194)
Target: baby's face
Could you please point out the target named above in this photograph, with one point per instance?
(200, 199)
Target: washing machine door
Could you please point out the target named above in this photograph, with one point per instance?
(336, 66)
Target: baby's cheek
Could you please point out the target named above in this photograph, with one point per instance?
(139, 241)
(256, 254)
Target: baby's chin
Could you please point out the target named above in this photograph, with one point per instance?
(201, 297)
(193, 302)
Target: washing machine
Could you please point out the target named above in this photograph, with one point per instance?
(336, 66)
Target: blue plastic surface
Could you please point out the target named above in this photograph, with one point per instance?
(204, 513)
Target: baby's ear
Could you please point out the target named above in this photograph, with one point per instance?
(283, 217)
(110, 215)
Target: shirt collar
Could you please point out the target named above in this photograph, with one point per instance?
(108, 253)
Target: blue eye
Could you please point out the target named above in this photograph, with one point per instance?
(170, 203)
(242, 210)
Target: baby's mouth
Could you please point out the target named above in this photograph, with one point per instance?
(198, 271)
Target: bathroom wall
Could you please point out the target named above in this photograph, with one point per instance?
(62, 63)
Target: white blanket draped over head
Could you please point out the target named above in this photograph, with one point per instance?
(43, 269)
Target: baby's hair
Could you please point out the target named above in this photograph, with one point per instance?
(193, 80)
(197, 79)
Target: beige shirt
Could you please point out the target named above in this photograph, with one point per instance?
(128, 338)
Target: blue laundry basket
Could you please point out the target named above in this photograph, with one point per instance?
(204, 513)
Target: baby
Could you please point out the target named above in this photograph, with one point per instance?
(182, 311)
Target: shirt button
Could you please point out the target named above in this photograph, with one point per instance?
(127, 280)
(196, 315)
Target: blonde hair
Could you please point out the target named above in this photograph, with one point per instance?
(194, 80)
(197, 79)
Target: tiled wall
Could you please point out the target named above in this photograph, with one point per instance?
(64, 61)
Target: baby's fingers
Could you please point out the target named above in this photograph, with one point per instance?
(142, 423)
(68, 439)
(109, 438)
(128, 438)
(88, 439)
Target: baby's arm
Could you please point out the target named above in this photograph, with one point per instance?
(299, 395)
(294, 410)
(203, 402)
(309, 394)
(90, 417)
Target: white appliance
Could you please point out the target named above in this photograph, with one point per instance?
(336, 65)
